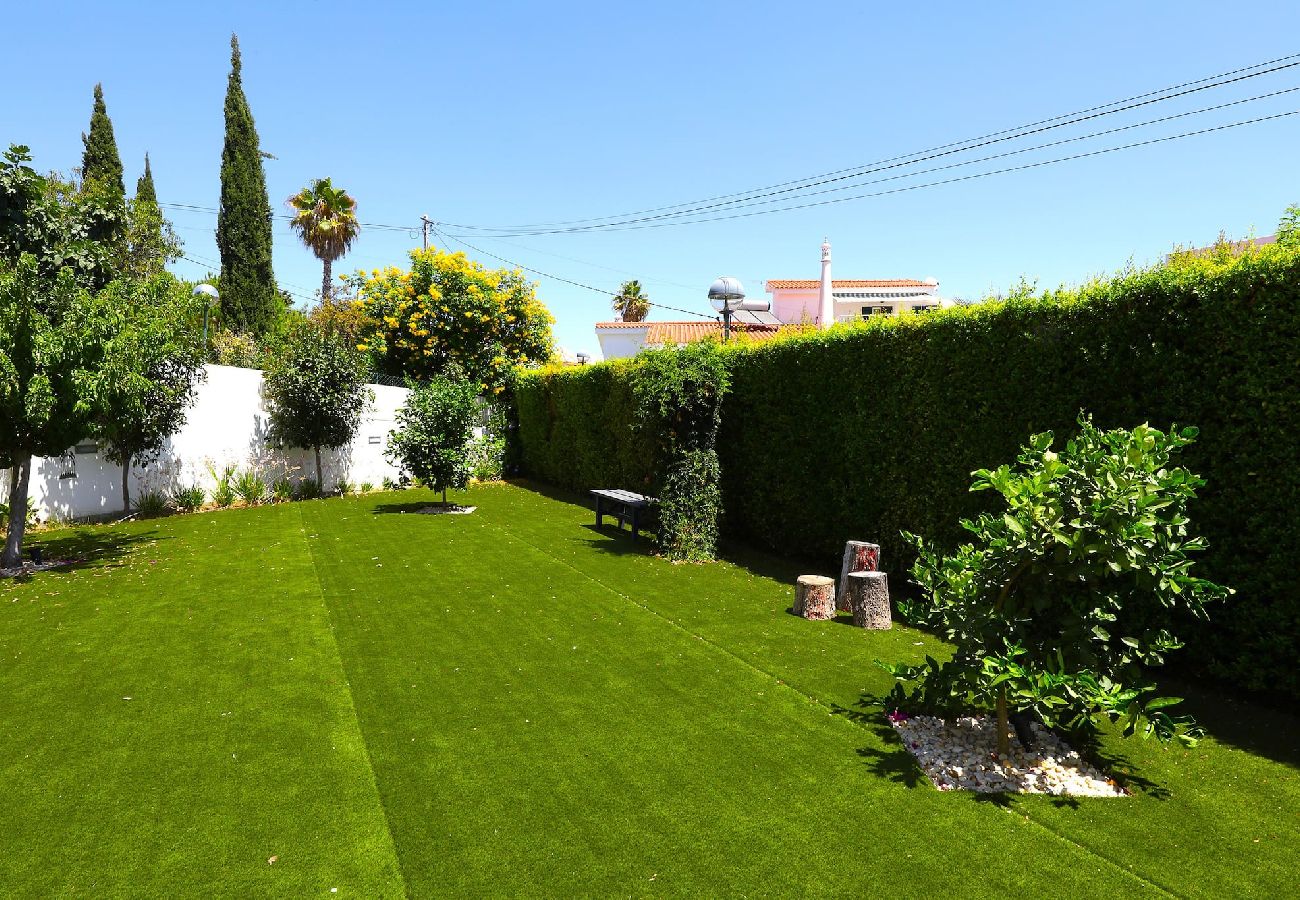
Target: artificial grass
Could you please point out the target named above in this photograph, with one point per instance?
(515, 703)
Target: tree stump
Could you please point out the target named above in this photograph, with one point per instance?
(814, 597)
(869, 600)
(859, 556)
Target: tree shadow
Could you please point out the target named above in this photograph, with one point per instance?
(892, 760)
(1245, 723)
(84, 548)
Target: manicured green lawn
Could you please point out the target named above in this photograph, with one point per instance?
(514, 703)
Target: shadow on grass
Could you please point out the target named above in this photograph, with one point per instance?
(892, 761)
(85, 547)
(1264, 730)
(618, 541)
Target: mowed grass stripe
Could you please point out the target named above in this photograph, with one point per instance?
(1215, 820)
(533, 732)
(237, 743)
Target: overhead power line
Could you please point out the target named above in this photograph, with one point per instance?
(929, 184)
(798, 185)
(588, 287)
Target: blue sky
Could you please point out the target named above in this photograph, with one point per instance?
(509, 113)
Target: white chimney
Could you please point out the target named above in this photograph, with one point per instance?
(826, 298)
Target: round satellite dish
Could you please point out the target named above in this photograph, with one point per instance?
(726, 294)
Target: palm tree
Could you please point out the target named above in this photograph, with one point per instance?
(631, 303)
(325, 218)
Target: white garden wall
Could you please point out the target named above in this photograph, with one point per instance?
(227, 425)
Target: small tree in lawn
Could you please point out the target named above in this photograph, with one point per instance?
(316, 391)
(434, 429)
(1066, 596)
(152, 362)
(51, 254)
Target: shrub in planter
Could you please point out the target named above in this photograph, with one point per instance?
(1066, 597)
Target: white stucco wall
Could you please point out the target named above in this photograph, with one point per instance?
(621, 342)
(227, 425)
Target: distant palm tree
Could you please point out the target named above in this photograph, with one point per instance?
(325, 218)
(632, 303)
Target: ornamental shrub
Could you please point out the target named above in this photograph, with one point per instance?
(433, 433)
(1069, 592)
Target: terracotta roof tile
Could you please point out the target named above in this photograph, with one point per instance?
(799, 284)
(685, 332)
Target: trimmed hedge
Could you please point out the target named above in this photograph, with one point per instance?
(865, 431)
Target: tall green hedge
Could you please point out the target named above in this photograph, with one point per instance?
(865, 431)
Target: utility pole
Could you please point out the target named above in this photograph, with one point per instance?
(425, 224)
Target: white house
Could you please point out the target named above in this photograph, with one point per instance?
(825, 301)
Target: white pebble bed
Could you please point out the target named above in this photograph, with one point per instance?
(963, 757)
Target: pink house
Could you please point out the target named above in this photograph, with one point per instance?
(827, 301)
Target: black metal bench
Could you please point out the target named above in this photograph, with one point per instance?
(623, 505)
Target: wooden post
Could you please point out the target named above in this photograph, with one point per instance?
(869, 600)
(859, 556)
(814, 597)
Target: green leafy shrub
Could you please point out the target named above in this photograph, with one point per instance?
(308, 489)
(343, 487)
(365, 488)
(1067, 595)
(223, 490)
(188, 498)
(250, 487)
(689, 502)
(282, 489)
(151, 504)
(390, 484)
(433, 433)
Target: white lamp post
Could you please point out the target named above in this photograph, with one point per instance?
(726, 294)
(210, 295)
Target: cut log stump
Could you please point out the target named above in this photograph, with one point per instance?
(859, 556)
(869, 600)
(814, 597)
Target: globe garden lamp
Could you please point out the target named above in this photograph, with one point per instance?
(726, 295)
(210, 298)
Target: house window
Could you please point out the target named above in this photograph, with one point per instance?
(922, 308)
(869, 311)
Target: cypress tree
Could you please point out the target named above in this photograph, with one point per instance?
(100, 161)
(249, 300)
(144, 189)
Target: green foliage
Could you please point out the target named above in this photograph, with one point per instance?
(343, 487)
(487, 454)
(309, 489)
(325, 220)
(249, 299)
(250, 487)
(433, 433)
(152, 361)
(365, 487)
(100, 161)
(1288, 228)
(632, 303)
(223, 484)
(315, 391)
(282, 489)
(1069, 593)
(188, 498)
(31, 513)
(152, 504)
(690, 501)
(577, 428)
(868, 431)
(231, 348)
(144, 189)
(449, 314)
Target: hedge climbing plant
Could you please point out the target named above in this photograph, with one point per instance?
(678, 394)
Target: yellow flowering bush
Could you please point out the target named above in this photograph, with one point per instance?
(449, 311)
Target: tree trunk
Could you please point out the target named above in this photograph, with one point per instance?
(859, 556)
(1004, 742)
(868, 600)
(444, 497)
(326, 279)
(320, 479)
(814, 597)
(13, 552)
(126, 484)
